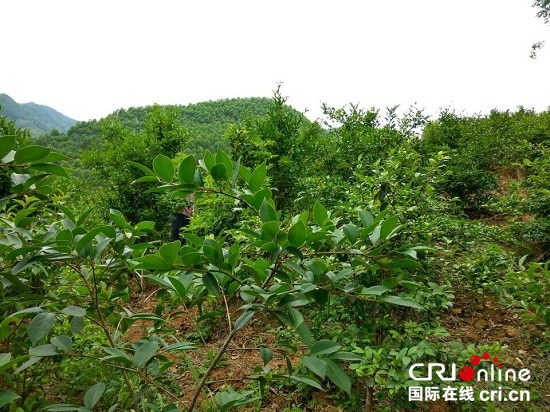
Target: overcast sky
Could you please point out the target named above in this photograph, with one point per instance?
(88, 58)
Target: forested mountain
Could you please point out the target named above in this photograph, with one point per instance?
(201, 125)
(38, 119)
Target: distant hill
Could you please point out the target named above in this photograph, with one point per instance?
(205, 124)
(38, 119)
(211, 117)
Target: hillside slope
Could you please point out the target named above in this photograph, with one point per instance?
(38, 119)
(204, 124)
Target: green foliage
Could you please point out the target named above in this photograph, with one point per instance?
(544, 9)
(340, 271)
(478, 147)
(277, 139)
(527, 288)
(113, 175)
(300, 268)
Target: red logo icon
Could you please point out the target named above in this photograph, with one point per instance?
(467, 373)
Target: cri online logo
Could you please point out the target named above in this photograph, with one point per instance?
(468, 373)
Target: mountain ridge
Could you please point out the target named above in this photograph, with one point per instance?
(37, 118)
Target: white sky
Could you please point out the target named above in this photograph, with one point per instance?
(88, 58)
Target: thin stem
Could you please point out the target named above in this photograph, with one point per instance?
(332, 252)
(218, 192)
(103, 323)
(213, 364)
(228, 314)
(276, 267)
(225, 344)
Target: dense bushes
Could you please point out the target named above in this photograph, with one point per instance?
(343, 241)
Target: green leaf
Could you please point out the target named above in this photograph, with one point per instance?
(67, 212)
(169, 251)
(388, 227)
(63, 342)
(347, 356)
(337, 375)
(374, 290)
(145, 226)
(7, 397)
(229, 399)
(235, 174)
(366, 218)
(210, 282)
(267, 212)
(31, 154)
(145, 179)
(324, 347)
(270, 230)
(406, 263)
(189, 256)
(28, 364)
(320, 214)
(243, 320)
(351, 233)
(51, 168)
(163, 168)
(257, 178)
(301, 327)
(4, 359)
(29, 260)
(209, 160)
(65, 236)
(116, 355)
(213, 253)
(218, 171)
(93, 395)
(180, 346)
(397, 300)
(317, 266)
(145, 352)
(297, 234)
(143, 168)
(86, 240)
(222, 157)
(316, 365)
(55, 157)
(40, 326)
(22, 215)
(152, 262)
(9, 157)
(412, 285)
(65, 407)
(307, 381)
(266, 354)
(375, 235)
(44, 350)
(7, 143)
(244, 173)
(186, 171)
(293, 300)
(118, 218)
(77, 324)
(260, 196)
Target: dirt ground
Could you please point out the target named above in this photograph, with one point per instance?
(471, 320)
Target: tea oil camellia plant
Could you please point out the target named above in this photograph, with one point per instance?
(91, 302)
(277, 268)
(61, 278)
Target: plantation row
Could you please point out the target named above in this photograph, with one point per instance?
(322, 261)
